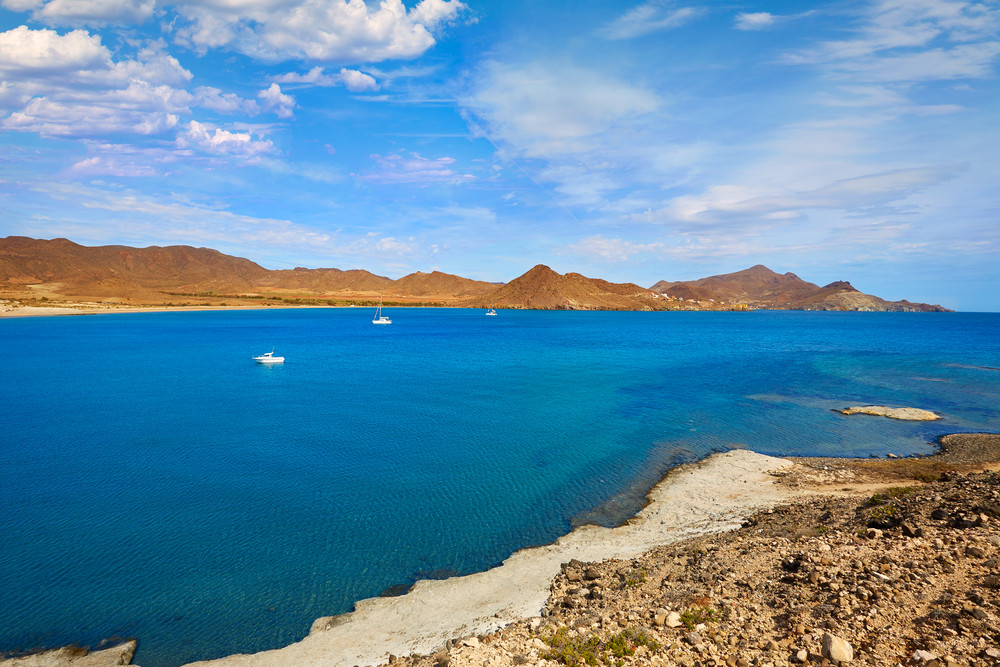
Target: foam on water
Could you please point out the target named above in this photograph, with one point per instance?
(157, 483)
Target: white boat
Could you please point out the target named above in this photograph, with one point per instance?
(491, 311)
(379, 317)
(269, 358)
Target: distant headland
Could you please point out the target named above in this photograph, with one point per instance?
(57, 275)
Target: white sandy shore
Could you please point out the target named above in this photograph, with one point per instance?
(706, 497)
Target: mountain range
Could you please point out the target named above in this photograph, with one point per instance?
(60, 270)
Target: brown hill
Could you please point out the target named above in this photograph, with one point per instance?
(760, 287)
(59, 268)
(753, 286)
(121, 270)
(326, 281)
(544, 289)
(429, 284)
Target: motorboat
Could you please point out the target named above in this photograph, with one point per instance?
(269, 358)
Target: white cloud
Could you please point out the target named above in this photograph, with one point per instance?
(612, 250)
(151, 220)
(543, 110)
(44, 52)
(315, 30)
(216, 141)
(754, 20)
(352, 79)
(914, 40)
(272, 99)
(227, 103)
(93, 12)
(649, 17)
(101, 165)
(94, 117)
(70, 85)
(393, 246)
(20, 5)
(763, 204)
(413, 168)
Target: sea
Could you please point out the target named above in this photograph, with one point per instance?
(157, 483)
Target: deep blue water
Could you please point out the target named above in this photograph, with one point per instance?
(155, 482)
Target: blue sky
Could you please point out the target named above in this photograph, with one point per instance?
(632, 141)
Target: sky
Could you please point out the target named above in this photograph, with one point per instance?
(630, 141)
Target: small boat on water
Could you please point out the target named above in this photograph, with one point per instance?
(491, 311)
(269, 358)
(379, 317)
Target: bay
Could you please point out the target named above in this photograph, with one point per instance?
(157, 483)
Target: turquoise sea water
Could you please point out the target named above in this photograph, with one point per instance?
(156, 483)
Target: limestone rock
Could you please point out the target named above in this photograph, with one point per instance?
(910, 414)
(837, 649)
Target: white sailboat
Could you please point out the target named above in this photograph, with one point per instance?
(379, 317)
(491, 311)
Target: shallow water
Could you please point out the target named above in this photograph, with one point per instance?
(157, 483)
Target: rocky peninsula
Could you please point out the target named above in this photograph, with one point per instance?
(740, 559)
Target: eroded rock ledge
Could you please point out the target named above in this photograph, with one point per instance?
(910, 414)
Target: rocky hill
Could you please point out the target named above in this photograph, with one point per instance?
(544, 289)
(59, 269)
(760, 287)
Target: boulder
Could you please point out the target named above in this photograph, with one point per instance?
(837, 649)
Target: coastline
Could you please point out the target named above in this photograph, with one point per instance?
(710, 497)
(59, 311)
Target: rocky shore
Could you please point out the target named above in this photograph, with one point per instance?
(777, 562)
(885, 563)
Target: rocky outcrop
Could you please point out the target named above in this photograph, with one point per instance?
(909, 414)
(72, 656)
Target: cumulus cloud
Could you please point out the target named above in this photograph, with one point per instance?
(216, 141)
(225, 103)
(70, 85)
(272, 99)
(315, 30)
(352, 79)
(96, 117)
(649, 17)
(754, 20)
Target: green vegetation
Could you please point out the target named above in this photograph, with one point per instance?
(926, 477)
(633, 578)
(693, 616)
(592, 650)
(876, 500)
(884, 516)
(301, 300)
(899, 491)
